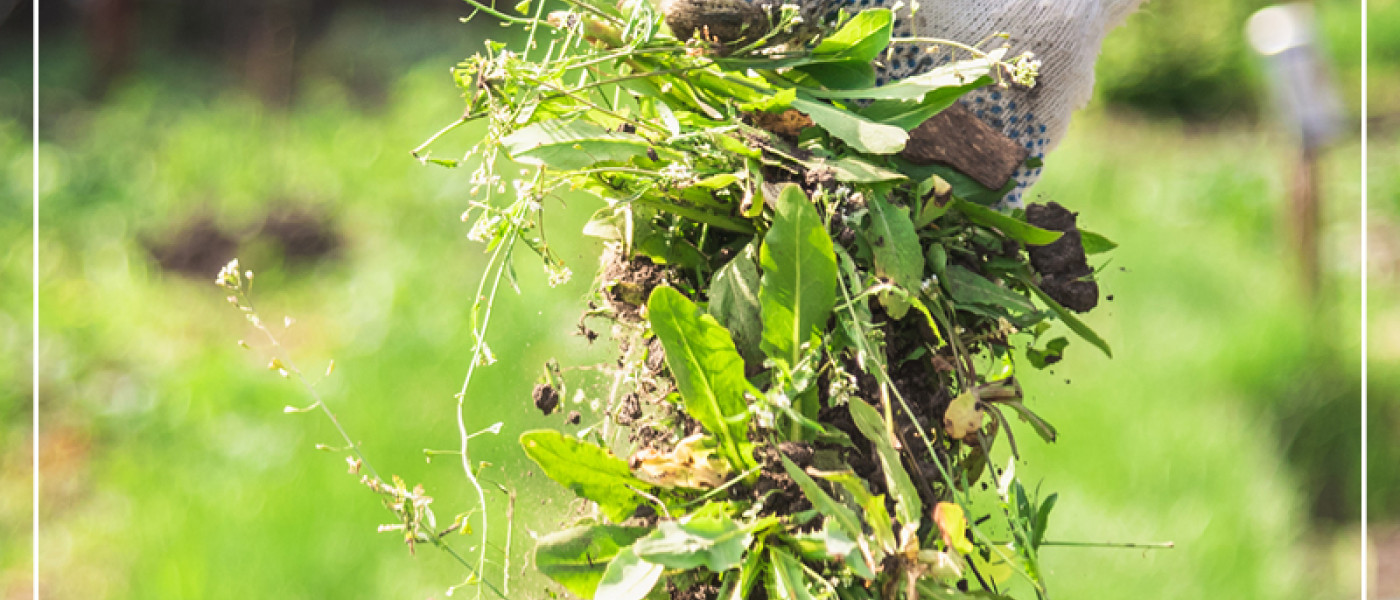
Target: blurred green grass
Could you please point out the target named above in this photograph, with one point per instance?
(171, 472)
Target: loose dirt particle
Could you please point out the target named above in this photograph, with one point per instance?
(546, 398)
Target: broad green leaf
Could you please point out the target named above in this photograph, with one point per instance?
(734, 301)
(898, 255)
(907, 506)
(1095, 243)
(844, 517)
(859, 133)
(955, 76)
(571, 145)
(908, 114)
(777, 102)
(1015, 229)
(840, 75)
(628, 577)
(578, 556)
(1073, 322)
(967, 287)
(862, 38)
(708, 371)
(587, 470)
(785, 577)
(716, 543)
(798, 289)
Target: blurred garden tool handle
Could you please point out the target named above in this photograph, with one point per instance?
(1308, 103)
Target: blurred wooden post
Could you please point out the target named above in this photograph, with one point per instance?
(1303, 91)
(1305, 221)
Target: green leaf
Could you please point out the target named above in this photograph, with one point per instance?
(578, 556)
(876, 516)
(840, 75)
(855, 170)
(861, 134)
(1015, 229)
(1073, 322)
(571, 145)
(1095, 243)
(734, 301)
(1045, 430)
(798, 289)
(1042, 519)
(785, 578)
(716, 543)
(967, 287)
(908, 114)
(845, 517)
(587, 470)
(708, 371)
(1053, 352)
(862, 38)
(907, 506)
(898, 255)
(964, 187)
(956, 76)
(628, 577)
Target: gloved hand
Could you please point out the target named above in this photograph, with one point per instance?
(1065, 35)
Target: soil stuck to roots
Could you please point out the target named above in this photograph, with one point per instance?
(1062, 264)
(627, 283)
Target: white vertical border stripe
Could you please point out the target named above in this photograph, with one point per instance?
(34, 339)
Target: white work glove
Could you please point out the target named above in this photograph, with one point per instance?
(1065, 35)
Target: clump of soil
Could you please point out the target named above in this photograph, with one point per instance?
(546, 398)
(1062, 265)
(627, 283)
(778, 492)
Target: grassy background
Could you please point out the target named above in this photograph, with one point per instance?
(1225, 422)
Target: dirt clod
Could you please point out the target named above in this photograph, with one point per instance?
(627, 283)
(546, 398)
(574, 417)
(1062, 265)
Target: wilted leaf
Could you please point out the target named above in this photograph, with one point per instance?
(708, 370)
(577, 557)
(586, 469)
(952, 524)
(963, 416)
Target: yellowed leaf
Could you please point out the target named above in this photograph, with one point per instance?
(963, 417)
(952, 523)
